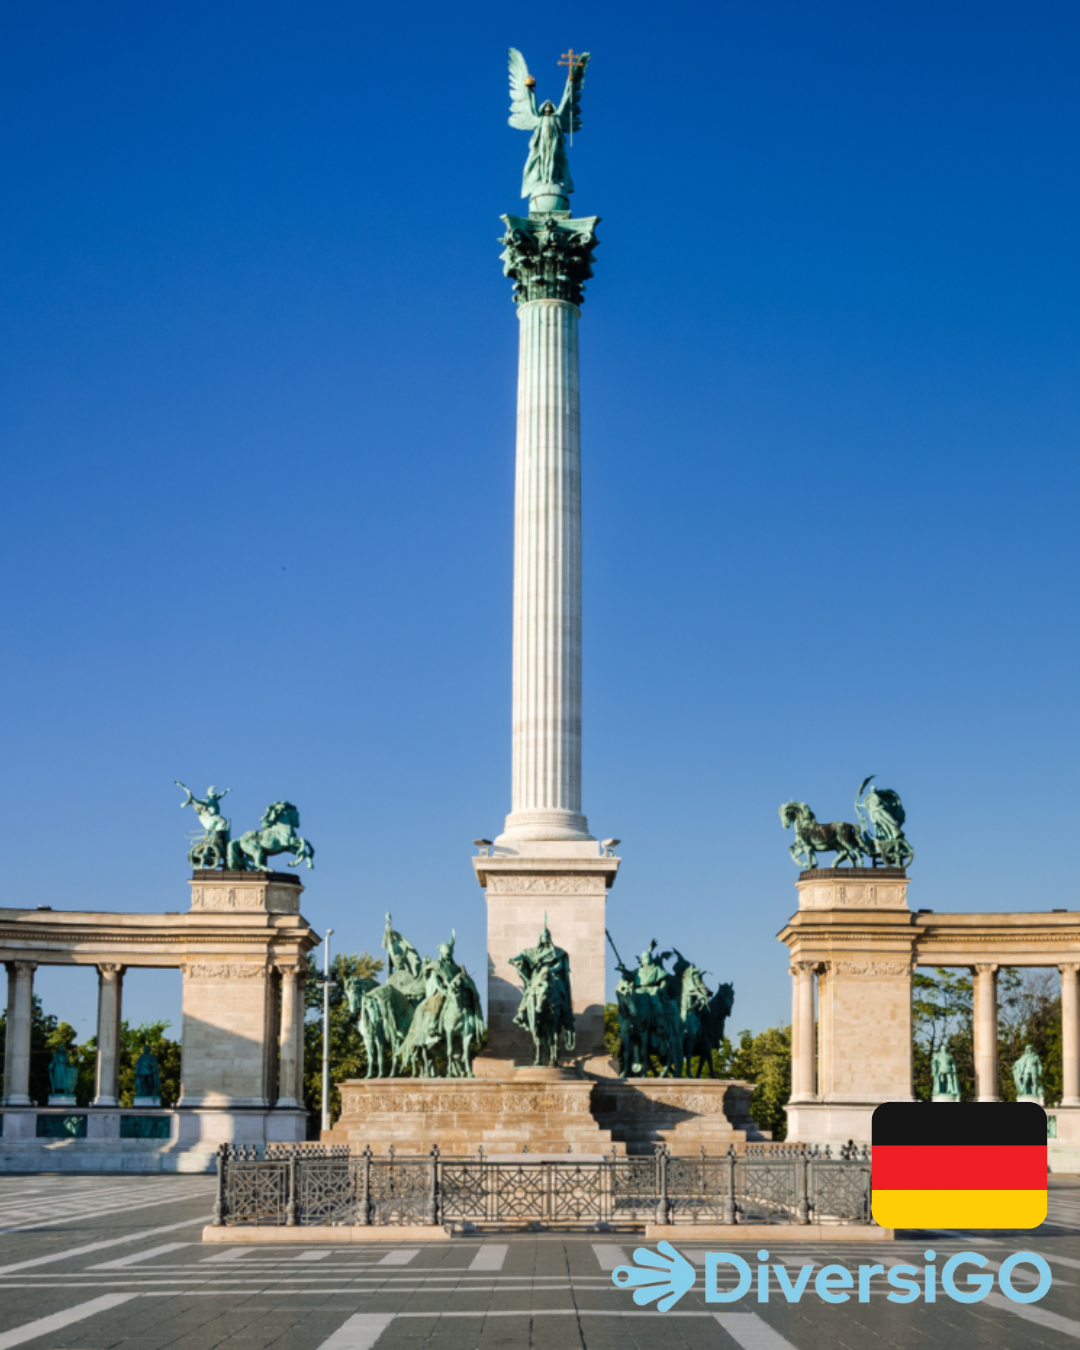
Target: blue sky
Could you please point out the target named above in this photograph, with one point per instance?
(257, 413)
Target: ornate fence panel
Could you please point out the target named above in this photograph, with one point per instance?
(633, 1189)
(252, 1191)
(767, 1190)
(840, 1190)
(322, 1186)
(466, 1191)
(700, 1190)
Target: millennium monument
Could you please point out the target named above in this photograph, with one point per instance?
(545, 871)
(545, 1078)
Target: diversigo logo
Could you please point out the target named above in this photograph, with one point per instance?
(667, 1275)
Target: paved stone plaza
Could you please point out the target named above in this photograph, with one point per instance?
(94, 1263)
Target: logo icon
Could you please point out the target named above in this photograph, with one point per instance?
(667, 1276)
(964, 1165)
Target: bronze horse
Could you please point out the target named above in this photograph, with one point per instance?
(812, 837)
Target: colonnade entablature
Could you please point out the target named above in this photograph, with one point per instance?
(242, 951)
(855, 941)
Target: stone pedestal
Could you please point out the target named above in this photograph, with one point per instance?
(546, 1113)
(154, 1102)
(1063, 1149)
(687, 1114)
(567, 882)
(232, 1005)
(854, 931)
(945, 1097)
(64, 1099)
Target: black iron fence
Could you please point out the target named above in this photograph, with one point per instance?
(326, 1185)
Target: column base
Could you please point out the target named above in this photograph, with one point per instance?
(98, 1101)
(539, 826)
(288, 1103)
(17, 1099)
(834, 1122)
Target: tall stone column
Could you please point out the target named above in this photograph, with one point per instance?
(548, 256)
(291, 1044)
(546, 738)
(803, 1081)
(110, 986)
(546, 867)
(9, 1021)
(986, 1041)
(20, 1010)
(1070, 1034)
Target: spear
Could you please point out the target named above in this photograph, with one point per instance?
(618, 958)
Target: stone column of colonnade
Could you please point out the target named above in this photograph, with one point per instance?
(1070, 1034)
(110, 992)
(986, 1033)
(17, 1043)
(291, 1061)
(546, 738)
(803, 1078)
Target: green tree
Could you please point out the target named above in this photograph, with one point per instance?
(1029, 1011)
(764, 1060)
(47, 1034)
(168, 1053)
(347, 1057)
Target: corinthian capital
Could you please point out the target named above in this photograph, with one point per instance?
(548, 257)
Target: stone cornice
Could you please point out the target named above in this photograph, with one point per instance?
(512, 867)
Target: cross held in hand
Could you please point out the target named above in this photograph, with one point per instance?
(571, 59)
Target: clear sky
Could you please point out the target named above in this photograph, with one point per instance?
(257, 417)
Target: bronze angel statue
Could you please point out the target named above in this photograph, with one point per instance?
(547, 178)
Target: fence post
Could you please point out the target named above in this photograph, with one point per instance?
(662, 1215)
(219, 1199)
(731, 1213)
(364, 1217)
(433, 1193)
(802, 1162)
(290, 1207)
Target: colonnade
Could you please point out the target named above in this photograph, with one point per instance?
(806, 1052)
(20, 995)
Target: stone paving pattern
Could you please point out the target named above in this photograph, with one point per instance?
(92, 1263)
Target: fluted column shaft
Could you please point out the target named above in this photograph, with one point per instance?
(1070, 1035)
(110, 984)
(803, 1086)
(17, 1060)
(986, 1040)
(546, 799)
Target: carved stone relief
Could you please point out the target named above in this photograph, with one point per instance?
(871, 967)
(225, 970)
(511, 884)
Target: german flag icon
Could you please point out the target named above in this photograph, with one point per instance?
(959, 1165)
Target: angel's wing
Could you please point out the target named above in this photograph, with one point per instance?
(523, 114)
(569, 111)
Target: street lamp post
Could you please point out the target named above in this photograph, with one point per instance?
(326, 1034)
